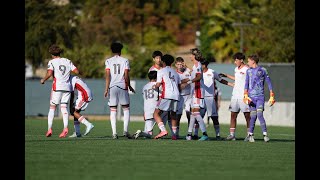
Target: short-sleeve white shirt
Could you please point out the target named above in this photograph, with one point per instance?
(239, 82)
(209, 78)
(117, 66)
(169, 80)
(84, 91)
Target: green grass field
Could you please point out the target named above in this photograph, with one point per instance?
(97, 156)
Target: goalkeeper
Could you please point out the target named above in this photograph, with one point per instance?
(256, 76)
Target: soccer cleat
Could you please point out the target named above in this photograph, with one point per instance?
(161, 134)
(251, 138)
(136, 134)
(246, 139)
(266, 138)
(74, 135)
(174, 137)
(88, 129)
(126, 134)
(114, 136)
(204, 138)
(64, 133)
(231, 137)
(49, 133)
(188, 138)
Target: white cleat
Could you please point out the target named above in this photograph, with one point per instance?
(251, 139)
(74, 135)
(231, 137)
(137, 134)
(89, 128)
(266, 138)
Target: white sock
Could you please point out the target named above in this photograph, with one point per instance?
(126, 118)
(65, 115)
(191, 124)
(201, 122)
(113, 120)
(161, 126)
(84, 121)
(51, 116)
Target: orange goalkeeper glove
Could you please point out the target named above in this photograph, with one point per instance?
(246, 99)
(271, 99)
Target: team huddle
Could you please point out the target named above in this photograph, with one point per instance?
(168, 93)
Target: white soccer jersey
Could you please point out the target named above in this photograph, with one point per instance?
(117, 65)
(84, 92)
(239, 82)
(150, 100)
(197, 90)
(185, 75)
(169, 80)
(209, 78)
(61, 68)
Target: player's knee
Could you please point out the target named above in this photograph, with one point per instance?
(253, 114)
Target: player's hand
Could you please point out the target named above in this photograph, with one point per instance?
(42, 81)
(271, 100)
(222, 75)
(106, 93)
(131, 89)
(246, 99)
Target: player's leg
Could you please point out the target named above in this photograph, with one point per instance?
(53, 104)
(234, 109)
(81, 105)
(263, 125)
(173, 116)
(213, 113)
(196, 114)
(163, 105)
(246, 112)
(125, 102)
(113, 103)
(253, 118)
(65, 97)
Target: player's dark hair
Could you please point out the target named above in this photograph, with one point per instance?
(156, 53)
(152, 75)
(55, 50)
(116, 47)
(239, 56)
(197, 54)
(179, 59)
(204, 62)
(254, 57)
(168, 59)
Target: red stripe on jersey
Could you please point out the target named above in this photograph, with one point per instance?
(54, 85)
(74, 69)
(85, 95)
(197, 89)
(163, 88)
(107, 68)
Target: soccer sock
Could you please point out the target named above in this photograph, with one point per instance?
(77, 127)
(217, 129)
(253, 115)
(263, 124)
(65, 115)
(196, 129)
(174, 130)
(113, 120)
(233, 131)
(51, 116)
(201, 122)
(191, 124)
(177, 133)
(84, 121)
(161, 126)
(126, 118)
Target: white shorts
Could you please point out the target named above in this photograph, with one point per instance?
(237, 104)
(183, 103)
(210, 106)
(80, 105)
(148, 125)
(118, 95)
(59, 97)
(197, 103)
(167, 105)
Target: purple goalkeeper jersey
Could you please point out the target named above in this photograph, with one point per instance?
(255, 78)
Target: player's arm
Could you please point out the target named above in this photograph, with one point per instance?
(127, 80)
(106, 91)
(268, 80)
(223, 81)
(47, 76)
(227, 76)
(246, 98)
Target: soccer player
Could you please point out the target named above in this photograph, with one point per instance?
(197, 94)
(208, 84)
(237, 104)
(117, 84)
(185, 98)
(84, 97)
(169, 80)
(256, 76)
(60, 69)
(150, 101)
